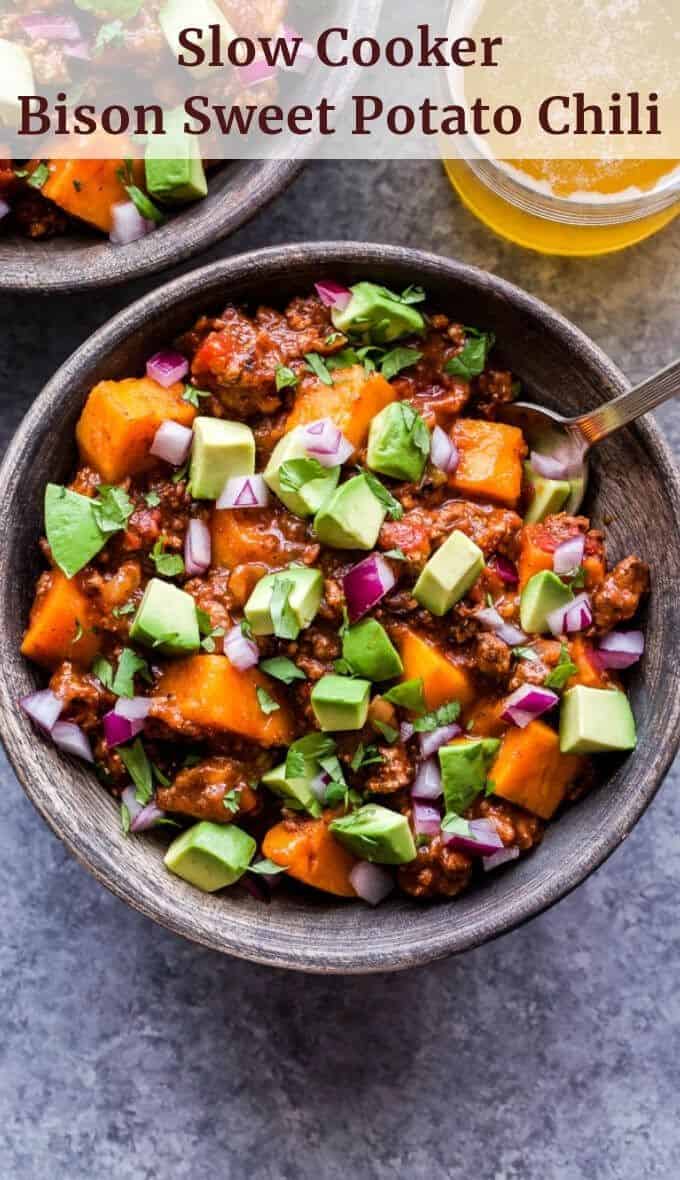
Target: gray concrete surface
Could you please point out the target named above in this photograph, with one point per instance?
(127, 1053)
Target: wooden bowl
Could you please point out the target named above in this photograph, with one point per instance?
(634, 487)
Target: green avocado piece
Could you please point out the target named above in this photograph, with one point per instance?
(368, 650)
(594, 720)
(378, 313)
(340, 702)
(297, 789)
(295, 594)
(449, 574)
(376, 833)
(166, 620)
(71, 528)
(543, 593)
(220, 450)
(310, 495)
(211, 856)
(398, 443)
(549, 495)
(173, 165)
(16, 77)
(176, 15)
(351, 517)
(464, 765)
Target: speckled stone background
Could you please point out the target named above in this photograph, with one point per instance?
(552, 1054)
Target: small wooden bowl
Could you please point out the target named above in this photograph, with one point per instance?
(634, 488)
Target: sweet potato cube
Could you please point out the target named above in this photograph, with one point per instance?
(490, 464)
(351, 401)
(59, 613)
(89, 189)
(119, 420)
(582, 654)
(443, 680)
(207, 691)
(531, 771)
(532, 559)
(311, 855)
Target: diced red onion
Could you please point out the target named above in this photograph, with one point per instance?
(506, 569)
(147, 818)
(172, 442)
(43, 26)
(244, 491)
(528, 702)
(129, 798)
(4, 209)
(481, 838)
(426, 819)
(569, 555)
(167, 367)
(79, 50)
(490, 618)
(258, 885)
(431, 742)
(428, 783)
(258, 71)
(134, 708)
(620, 649)
(366, 584)
(326, 443)
(43, 707)
(370, 882)
(549, 466)
(305, 52)
(72, 739)
(118, 729)
(511, 635)
(443, 451)
(499, 858)
(406, 731)
(197, 547)
(575, 616)
(333, 295)
(128, 224)
(242, 652)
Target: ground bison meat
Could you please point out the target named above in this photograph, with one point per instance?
(424, 529)
(494, 389)
(517, 828)
(619, 596)
(393, 774)
(200, 791)
(437, 871)
(84, 696)
(38, 218)
(492, 656)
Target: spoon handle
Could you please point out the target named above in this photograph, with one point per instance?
(603, 421)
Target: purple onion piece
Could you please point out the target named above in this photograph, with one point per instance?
(333, 294)
(172, 442)
(128, 225)
(426, 818)
(118, 729)
(477, 837)
(569, 555)
(489, 863)
(620, 649)
(72, 739)
(366, 584)
(406, 731)
(326, 443)
(548, 466)
(431, 742)
(134, 708)
(443, 451)
(506, 569)
(428, 782)
(258, 71)
(242, 652)
(575, 616)
(167, 367)
(244, 491)
(43, 707)
(4, 209)
(371, 882)
(147, 818)
(527, 703)
(197, 547)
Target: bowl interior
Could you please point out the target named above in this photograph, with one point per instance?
(633, 485)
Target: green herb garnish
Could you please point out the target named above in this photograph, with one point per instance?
(266, 703)
(285, 378)
(471, 361)
(138, 767)
(283, 669)
(317, 365)
(388, 501)
(283, 617)
(562, 672)
(168, 564)
(193, 395)
(398, 359)
(444, 715)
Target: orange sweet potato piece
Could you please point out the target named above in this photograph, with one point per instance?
(486, 718)
(58, 611)
(88, 189)
(442, 679)
(532, 559)
(588, 673)
(352, 401)
(208, 691)
(530, 770)
(253, 536)
(490, 463)
(311, 855)
(119, 420)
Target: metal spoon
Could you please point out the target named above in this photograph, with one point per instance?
(569, 439)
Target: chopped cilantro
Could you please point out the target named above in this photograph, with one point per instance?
(159, 776)
(409, 695)
(306, 751)
(388, 501)
(285, 378)
(268, 867)
(129, 664)
(413, 294)
(138, 767)
(266, 703)
(334, 337)
(152, 499)
(389, 733)
(208, 643)
(112, 33)
(444, 715)
(231, 800)
(180, 473)
(317, 365)
(142, 203)
(577, 578)
(112, 508)
(124, 819)
(343, 668)
(398, 359)
(471, 361)
(79, 632)
(193, 395)
(490, 787)
(168, 564)
(246, 628)
(39, 175)
(563, 671)
(103, 670)
(332, 766)
(455, 824)
(284, 620)
(365, 756)
(281, 668)
(343, 359)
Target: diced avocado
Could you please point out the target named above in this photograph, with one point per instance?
(173, 164)
(340, 702)
(548, 495)
(285, 603)
(464, 765)
(73, 535)
(449, 574)
(166, 620)
(543, 593)
(16, 77)
(220, 450)
(297, 789)
(375, 312)
(310, 495)
(376, 833)
(351, 517)
(368, 650)
(176, 15)
(398, 443)
(594, 720)
(211, 856)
